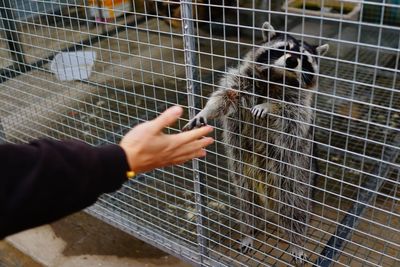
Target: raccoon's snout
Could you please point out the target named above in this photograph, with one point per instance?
(291, 62)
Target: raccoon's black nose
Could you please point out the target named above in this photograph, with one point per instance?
(291, 62)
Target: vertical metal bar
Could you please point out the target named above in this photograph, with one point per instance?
(193, 90)
(10, 29)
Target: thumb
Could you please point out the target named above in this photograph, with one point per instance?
(167, 118)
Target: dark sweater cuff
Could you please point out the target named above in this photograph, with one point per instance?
(114, 166)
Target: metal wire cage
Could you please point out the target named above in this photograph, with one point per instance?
(150, 55)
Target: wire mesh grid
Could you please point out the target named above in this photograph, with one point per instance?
(154, 54)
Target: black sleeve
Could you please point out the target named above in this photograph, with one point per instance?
(45, 180)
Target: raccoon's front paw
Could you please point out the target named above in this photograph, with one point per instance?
(196, 122)
(299, 256)
(260, 111)
(246, 244)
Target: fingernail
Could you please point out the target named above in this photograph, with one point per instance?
(210, 140)
(176, 109)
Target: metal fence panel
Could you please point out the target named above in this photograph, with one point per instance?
(152, 54)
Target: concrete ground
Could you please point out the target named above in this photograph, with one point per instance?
(10, 256)
(81, 240)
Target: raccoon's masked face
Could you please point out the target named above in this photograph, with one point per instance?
(284, 59)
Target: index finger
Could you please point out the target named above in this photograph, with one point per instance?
(167, 118)
(192, 135)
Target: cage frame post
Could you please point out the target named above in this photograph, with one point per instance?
(193, 90)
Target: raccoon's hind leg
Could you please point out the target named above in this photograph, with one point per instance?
(294, 208)
(295, 179)
(222, 102)
(249, 214)
(247, 218)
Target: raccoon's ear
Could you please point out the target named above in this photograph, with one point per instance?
(322, 49)
(267, 31)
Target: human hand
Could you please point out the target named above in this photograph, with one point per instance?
(147, 147)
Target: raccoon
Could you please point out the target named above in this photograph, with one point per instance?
(264, 106)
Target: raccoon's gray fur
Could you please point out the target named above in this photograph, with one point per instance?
(264, 106)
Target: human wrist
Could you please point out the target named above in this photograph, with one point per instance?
(131, 159)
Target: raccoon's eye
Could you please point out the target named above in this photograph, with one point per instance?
(291, 62)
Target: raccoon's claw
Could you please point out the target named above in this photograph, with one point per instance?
(299, 256)
(196, 122)
(260, 111)
(246, 244)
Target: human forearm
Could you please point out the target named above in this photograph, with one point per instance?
(46, 180)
